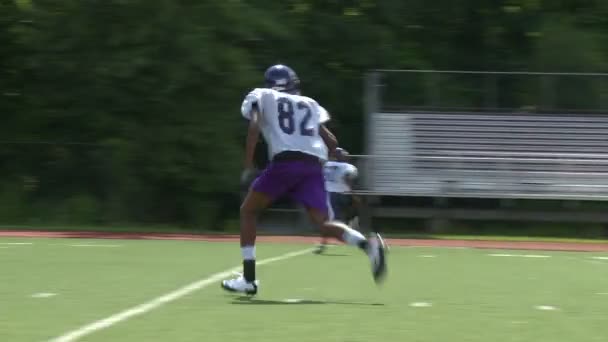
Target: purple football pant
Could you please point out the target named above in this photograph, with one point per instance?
(300, 180)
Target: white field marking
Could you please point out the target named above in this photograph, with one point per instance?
(599, 258)
(16, 243)
(545, 307)
(292, 300)
(43, 295)
(595, 262)
(427, 256)
(420, 305)
(94, 245)
(164, 299)
(520, 255)
(603, 293)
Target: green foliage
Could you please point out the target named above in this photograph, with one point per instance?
(128, 110)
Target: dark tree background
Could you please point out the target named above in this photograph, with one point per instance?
(127, 111)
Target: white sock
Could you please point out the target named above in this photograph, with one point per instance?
(353, 237)
(248, 252)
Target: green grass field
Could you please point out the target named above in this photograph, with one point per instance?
(49, 287)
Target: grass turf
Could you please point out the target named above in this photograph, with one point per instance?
(472, 296)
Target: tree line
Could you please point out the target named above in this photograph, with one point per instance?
(127, 111)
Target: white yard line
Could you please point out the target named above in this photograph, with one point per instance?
(421, 305)
(43, 295)
(16, 243)
(164, 299)
(546, 308)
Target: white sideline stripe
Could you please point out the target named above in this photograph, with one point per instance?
(535, 256)
(16, 243)
(166, 298)
(520, 255)
(599, 258)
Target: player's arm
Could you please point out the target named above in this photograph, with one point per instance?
(350, 175)
(253, 135)
(356, 203)
(251, 110)
(329, 138)
(349, 178)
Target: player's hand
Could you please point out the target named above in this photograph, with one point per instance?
(248, 176)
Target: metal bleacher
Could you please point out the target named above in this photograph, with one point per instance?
(489, 155)
(483, 153)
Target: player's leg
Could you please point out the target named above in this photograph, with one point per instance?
(333, 213)
(353, 212)
(253, 204)
(335, 229)
(265, 189)
(354, 223)
(311, 193)
(374, 247)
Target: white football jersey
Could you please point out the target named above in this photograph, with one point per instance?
(335, 174)
(288, 122)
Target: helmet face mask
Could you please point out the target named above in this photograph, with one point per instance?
(282, 78)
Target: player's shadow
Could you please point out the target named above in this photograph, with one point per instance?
(333, 254)
(255, 301)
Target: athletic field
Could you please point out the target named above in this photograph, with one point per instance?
(59, 289)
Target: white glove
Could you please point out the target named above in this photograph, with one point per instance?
(247, 176)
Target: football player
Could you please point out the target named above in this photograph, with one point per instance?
(293, 127)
